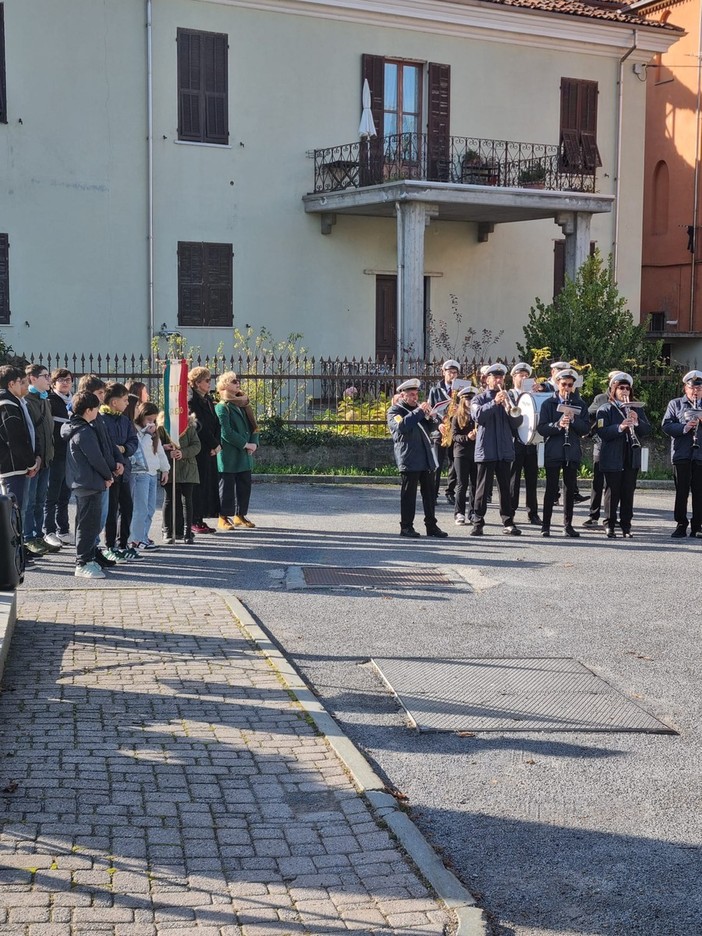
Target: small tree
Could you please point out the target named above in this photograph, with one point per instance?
(589, 321)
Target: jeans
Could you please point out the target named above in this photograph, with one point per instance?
(57, 498)
(144, 487)
(35, 496)
(88, 510)
(17, 485)
(234, 493)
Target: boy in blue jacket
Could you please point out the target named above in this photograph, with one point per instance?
(88, 475)
(123, 435)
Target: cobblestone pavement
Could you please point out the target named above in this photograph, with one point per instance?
(156, 777)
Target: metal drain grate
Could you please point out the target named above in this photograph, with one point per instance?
(341, 576)
(552, 694)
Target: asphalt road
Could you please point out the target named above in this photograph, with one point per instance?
(558, 834)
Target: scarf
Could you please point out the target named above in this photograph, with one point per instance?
(239, 398)
(40, 393)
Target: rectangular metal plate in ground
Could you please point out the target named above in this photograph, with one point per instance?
(343, 576)
(512, 694)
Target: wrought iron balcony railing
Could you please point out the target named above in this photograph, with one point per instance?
(459, 160)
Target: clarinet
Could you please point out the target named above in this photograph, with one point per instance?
(566, 438)
(633, 438)
(695, 442)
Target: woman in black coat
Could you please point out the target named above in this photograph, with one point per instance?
(201, 405)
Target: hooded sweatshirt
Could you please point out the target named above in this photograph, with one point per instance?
(86, 467)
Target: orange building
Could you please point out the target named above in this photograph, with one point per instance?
(671, 280)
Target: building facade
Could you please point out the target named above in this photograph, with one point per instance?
(192, 166)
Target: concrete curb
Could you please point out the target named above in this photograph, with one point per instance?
(641, 484)
(8, 616)
(471, 919)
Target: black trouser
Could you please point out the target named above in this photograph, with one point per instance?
(486, 472)
(120, 502)
(88, 517)
(234, 493)
(466, 480)
(570, 480)
(203, 492)
(525, 459)
(688, 480)
(598, 483)
(183, 509)
(445, 453)
(621, 486)
(408, 498)
(58, 495)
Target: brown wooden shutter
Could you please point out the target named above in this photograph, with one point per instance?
(371, 169)
(438, 125)
(189, 85)
(3, 83)
(190, 284)
(571, 157)
(588, 124)
(218, 285)
(215, 88)
(4, 279)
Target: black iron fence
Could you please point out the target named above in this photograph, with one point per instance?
(350, 397)
(459, 160)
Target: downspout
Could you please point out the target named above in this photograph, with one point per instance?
(150, 172)
(696, 184)
(617, 189)
(400, 276)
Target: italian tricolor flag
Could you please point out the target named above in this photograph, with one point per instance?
(175, 398)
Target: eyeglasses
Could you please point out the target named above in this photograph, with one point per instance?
(43, 375)
(233, 381)
(568, 386)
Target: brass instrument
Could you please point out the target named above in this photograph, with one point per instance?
(510, 406)
(693, 412)
(627, 406)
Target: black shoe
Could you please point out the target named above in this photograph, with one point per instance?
(580, 498)
(511, 530)
(696, 534)
(627, 534)
(610, 533)
(103, 561)
(435, 531)
(545, 531)
(679, 531)
(570, 531)
(591, 522)
(477, 530)
(450, 497)
(409, 531)
(535, 519)
(188, 540)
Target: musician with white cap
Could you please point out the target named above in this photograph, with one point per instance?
(494, 449)
(552, 384)
(620, 426)
(411, 425)
(562, 422)
(525, 456)
(439, 393)
(682, 423)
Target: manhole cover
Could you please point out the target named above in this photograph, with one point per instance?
(553, 694)
(372, 578)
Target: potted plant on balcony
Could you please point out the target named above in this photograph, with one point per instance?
(478, 171)
(533, 176)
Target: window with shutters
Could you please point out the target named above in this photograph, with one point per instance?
(400, 116)
(203, 107)
(205, 285)
(578, 138)
(4, 279)
(3, 83)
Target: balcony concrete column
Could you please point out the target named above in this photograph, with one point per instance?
(576, 227)
(412, 219)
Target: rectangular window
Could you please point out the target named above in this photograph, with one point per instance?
(203, 102)
(3, 83)
(205, 285)
(578, 137)
(4, 279)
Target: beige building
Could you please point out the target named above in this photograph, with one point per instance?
(193, 165)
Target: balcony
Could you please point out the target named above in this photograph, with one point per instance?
(456, 161)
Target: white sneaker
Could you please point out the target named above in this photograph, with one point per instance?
(53, 540)
(90, 570)
(66, 539)
(460, 519)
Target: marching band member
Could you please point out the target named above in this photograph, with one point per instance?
(686, 454)
(525, 456)
(563, 450)
(556, 368)
(619, 429)
(494, 449)
(411, 425)
(443, 391)
(462, 436)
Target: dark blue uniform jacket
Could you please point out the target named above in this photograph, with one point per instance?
(681, 442)
(616, 452)
(496, 428)
(410, 431)
(555, 450)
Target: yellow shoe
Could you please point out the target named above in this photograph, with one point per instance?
(243, 522)
(225, 524)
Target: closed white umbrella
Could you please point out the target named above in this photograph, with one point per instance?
(367, 126)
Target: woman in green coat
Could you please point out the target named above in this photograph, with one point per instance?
(239, 441)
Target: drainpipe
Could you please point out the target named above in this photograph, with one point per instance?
(400, 276)
(696, 185)
(617, 190)
(150, 171)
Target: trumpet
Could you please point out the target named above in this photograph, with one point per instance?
(510, 405)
